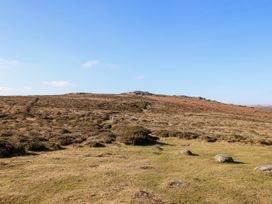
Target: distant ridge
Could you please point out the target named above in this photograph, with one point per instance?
(181, 97)
(140, 93)
(264, 107)
(146, 93)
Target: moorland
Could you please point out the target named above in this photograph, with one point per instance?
(128, 148)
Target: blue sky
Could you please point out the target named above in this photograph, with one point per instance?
(221, 50)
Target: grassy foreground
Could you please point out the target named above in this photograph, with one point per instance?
(115, 173)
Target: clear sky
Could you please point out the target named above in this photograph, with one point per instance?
(219, 49)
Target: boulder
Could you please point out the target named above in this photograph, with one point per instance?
(224, 158)
(187, 152)
(264, 168)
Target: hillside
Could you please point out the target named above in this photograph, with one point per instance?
(264, 107)
(127, 148)
(75, 118)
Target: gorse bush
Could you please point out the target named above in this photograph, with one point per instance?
(135, 135)
(37, 146)
(8, 149)
(178, 134)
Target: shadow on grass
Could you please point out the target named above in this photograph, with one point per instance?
(164, 144)
(20, 155)
(27, 154)
(238, 162)
(194, 155)
(233, 162)
(31, 153)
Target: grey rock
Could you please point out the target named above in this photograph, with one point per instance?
(158, 147)
(187, 152)
(177, 183)
(223, 158)
(148, 197)
(264, 168)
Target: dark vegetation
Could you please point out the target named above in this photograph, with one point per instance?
(135, 135)
(8, 149)
(181, 135)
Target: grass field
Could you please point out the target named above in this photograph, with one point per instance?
(116, 173)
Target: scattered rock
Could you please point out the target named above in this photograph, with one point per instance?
(146, 167)
(187, 152)
(265, 142)
(158, 147)
(224, 158)
(264, 168)
(185, 145)
(177, 183)
(148, 197)
(140, 93)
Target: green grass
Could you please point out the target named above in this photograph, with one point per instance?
(113, 175)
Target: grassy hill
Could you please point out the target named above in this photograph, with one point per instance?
(49, 149)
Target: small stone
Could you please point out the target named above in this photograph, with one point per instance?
(148, 197)
(158, 147)
(146, 167)
(143, 194)
(187, 152)
(224, 158)
(185, 145)
(177, 184)
(93, 165)
(264, 168)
